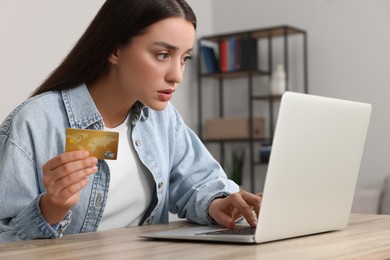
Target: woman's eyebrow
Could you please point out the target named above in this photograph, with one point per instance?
(169, 46)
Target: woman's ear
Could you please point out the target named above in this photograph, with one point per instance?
(113, 58)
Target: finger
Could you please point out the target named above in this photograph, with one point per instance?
(64, 158)
(69, 168)
(247, 213)
(73, 178)
(257, 210)
(225, 219)
(67, 195)
(220, 211)
(74, 166)
(236, 214)
(253, 200)
(240, 204)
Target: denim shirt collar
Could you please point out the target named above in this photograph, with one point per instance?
(83, 113)
(140, 112)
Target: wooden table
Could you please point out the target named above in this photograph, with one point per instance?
(366, 237)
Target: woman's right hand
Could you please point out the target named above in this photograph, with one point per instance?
(64, 176)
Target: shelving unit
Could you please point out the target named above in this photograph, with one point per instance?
(283, 32)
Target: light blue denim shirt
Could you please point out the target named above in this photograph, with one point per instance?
(186, 176)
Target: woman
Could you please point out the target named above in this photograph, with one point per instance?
(120, 77)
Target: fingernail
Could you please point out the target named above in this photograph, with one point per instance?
(254, 222)
(93, 160)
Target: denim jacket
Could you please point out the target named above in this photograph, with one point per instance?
(186, 176)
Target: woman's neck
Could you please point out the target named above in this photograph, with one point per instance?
(113, 106)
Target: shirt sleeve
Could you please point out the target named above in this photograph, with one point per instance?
(196, 178)
(30, 223)
(20, 215)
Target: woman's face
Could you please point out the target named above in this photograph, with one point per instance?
(150, 67)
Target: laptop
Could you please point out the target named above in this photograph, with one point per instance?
(311, 176)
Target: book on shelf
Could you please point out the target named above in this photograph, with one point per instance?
(209, 58)
(238, 54)
(232, 52)
(223, 55)
(248, 54)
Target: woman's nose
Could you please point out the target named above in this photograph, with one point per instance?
(175, 73)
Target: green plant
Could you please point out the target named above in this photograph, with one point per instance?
(237, 166)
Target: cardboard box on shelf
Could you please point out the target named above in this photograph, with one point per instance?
(233, 128)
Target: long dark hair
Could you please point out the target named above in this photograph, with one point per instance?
(116, 23)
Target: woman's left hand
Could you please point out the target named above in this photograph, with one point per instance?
(225, 211)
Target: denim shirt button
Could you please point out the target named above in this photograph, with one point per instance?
(149, 220)
(98, 200)
(137, 142)
(160, 184)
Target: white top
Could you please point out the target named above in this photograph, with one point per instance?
(131, 185)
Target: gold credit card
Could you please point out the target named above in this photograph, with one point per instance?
(100, 144)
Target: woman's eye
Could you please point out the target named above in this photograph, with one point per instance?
(163, 56)
(187, 58)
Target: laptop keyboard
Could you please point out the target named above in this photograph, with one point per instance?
(234, 231)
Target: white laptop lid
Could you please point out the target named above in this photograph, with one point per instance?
(314, 165)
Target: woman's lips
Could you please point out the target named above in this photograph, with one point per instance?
(165, 95)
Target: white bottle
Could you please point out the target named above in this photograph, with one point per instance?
(278, 81)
